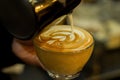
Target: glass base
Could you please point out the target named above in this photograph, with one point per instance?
(63, 77)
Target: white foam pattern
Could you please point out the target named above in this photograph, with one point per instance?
(61, 36)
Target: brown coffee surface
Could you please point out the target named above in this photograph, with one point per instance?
(60, 38)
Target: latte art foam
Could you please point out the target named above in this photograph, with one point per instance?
(60, 38)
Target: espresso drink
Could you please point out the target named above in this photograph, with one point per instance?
(64, 52)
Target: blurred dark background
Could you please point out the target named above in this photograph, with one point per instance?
(102, 19)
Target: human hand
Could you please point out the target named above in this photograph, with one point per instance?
(25, 51)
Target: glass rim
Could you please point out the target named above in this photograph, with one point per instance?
(68, 49)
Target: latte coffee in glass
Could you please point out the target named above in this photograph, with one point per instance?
(62, 51)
